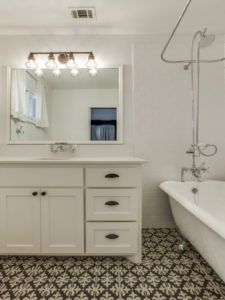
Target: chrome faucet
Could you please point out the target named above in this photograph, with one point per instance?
(62, 147)
(195, 171)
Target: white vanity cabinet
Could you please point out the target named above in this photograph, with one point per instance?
(62, 221)
(19, 221)
(71, 207)
(41, 220)
(113, 205)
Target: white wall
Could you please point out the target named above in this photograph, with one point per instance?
(30, 132)
(162, 94)
(157, 116)
(70, 113)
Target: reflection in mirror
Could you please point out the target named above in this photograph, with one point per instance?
(103, 124)
(65, 108)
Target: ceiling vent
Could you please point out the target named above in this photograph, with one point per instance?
(83, 13)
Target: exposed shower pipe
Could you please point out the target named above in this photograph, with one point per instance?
(198, 149)
(185, 61)
(195, 111)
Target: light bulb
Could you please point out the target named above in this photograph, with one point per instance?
(91, 63)
(31, 64)
(51, 64)
(56, 72)
(93, 72)
(39, 72)
(71, 64)
(74, 72)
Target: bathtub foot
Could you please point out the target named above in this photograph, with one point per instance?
(182, 246)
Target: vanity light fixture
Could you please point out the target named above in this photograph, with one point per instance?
(72, 65)
(70, 61)
(66, 59)
(31, 63)
(92, 65)
(51, 64)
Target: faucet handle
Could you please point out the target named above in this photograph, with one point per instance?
(190, 150)
(73, 148)
(203, 167)
(63, 147)
(183, 171)
(56, 147)
(53, 148)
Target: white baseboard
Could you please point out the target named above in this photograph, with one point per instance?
(158, 222)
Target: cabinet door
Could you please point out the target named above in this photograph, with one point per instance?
(20, 221)
(62, 221)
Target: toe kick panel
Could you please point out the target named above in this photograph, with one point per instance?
(111, 238)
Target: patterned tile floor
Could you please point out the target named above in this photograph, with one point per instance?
(165, 273)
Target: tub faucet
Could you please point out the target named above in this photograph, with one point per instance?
(183, 171)
(195, 171)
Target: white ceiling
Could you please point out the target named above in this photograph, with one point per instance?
(113, 16)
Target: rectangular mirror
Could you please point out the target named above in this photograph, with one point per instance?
(77, 110)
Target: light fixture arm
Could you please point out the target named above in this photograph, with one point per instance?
(63, 57)
(185, 61)
(63, 52)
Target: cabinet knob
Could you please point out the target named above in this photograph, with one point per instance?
(112, 203)
(43, 193)
(34, 193)
(112, 236)
(112, 175)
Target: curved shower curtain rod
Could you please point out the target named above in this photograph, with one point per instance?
(187, 61)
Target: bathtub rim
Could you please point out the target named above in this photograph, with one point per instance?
(208, 219)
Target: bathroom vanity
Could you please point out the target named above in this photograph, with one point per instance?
(68, 206)
(76, 206)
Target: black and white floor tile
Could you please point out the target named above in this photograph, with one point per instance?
(165, 274)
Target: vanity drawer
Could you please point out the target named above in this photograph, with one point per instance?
(41, 176)
(111, 238)
(112, 177)
(112, 204)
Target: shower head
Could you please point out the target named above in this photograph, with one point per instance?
(206, 40)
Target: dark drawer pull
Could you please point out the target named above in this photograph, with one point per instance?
(112, 175)
(34, 193)
(112, 203)
(43, 193)
(112, 236)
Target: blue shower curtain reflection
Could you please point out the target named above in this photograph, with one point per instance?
(103, 124)
(103, 132)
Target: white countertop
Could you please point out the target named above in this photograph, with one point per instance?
(71, 160)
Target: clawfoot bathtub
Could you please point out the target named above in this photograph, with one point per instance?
(199, 213)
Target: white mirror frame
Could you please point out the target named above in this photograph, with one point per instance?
(119, 141)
